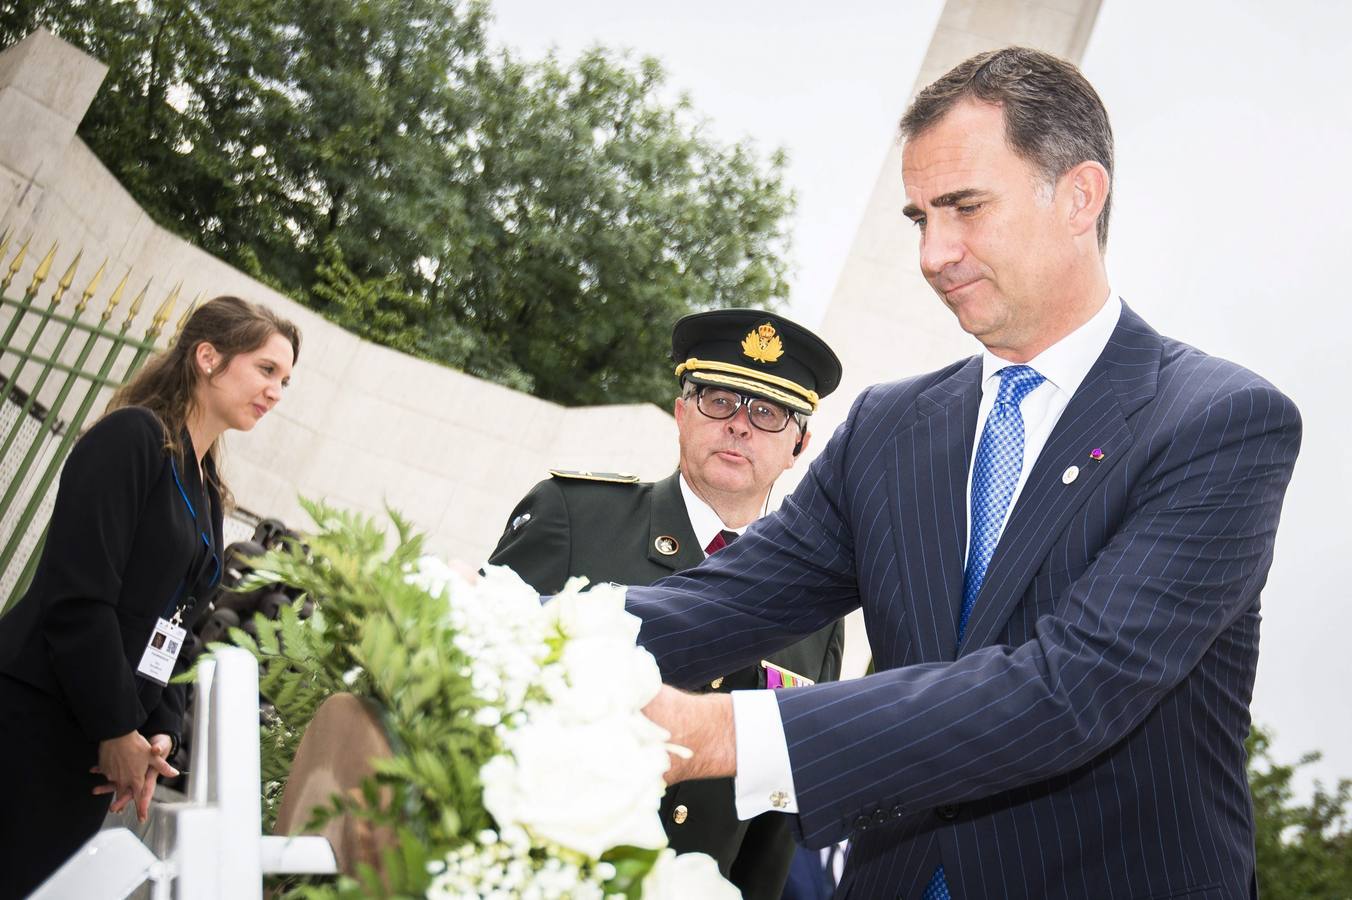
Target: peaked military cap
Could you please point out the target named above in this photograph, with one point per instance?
(757, 353)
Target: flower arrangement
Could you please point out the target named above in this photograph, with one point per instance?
(523, 766)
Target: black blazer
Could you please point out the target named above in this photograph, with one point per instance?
(122, 550)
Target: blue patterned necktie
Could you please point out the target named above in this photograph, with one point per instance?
(999, 461)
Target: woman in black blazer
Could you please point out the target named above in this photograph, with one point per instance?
(133, 545)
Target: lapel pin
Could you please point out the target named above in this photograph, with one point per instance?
(1096, 454)
(667, 545)
(1070, 474)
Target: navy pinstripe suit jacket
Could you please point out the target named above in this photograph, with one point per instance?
(1087, 738)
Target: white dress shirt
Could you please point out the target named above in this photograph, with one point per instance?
(703, 520)
(764, 778)
(767, 746)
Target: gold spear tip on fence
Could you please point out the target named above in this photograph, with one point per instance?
(66, 280)
(18, 258)
(183, 319)
(135, 309)
(164, 312)
(43, 270)
(4, 242)
(117, 295)
(88, 293)
(4, 248)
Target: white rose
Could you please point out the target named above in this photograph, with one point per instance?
(587, 787)
(597, 613)
(603, 677)
(681, 876)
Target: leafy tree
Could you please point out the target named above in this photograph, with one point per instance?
(1304, 850)
(601, 220)
(383, 310)
(539, 223)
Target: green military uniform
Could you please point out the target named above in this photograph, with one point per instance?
(614, 528)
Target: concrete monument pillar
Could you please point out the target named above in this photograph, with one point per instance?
(46, 86)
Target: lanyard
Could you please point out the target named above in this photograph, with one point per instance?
(211, 551)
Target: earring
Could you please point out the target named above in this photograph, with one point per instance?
(208, 370)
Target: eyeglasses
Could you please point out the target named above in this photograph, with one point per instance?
(720, 403)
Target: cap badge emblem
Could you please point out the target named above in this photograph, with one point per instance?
(667, 545)
(762, 344)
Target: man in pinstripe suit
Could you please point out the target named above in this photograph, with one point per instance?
(1058, 546)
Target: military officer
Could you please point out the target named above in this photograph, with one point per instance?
(749, 381)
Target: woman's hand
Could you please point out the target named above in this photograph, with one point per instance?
(132, 765)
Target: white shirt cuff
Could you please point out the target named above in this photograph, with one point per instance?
(764, 779)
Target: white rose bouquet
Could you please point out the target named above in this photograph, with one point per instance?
(523, 768)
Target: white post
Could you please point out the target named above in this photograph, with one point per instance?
(219, 851)
(234, 773)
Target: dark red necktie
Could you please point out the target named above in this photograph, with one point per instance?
(721, 540)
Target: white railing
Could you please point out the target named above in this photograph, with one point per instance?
(213, 846)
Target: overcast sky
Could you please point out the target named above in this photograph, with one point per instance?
(1229, 222)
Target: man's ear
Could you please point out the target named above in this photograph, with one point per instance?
(1089, 184)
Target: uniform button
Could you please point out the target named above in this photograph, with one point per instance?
(948, 812)
(861, 821)
(678, 814)
(879, 817)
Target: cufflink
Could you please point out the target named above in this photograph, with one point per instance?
(679, 813)
(779, 800)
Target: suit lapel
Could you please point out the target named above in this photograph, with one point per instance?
(669, 519)
(928, 494)
(1120, 382)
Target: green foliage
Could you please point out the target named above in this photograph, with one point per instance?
(374, 634)
(384, 310)
(540, 223)
(1304, 851)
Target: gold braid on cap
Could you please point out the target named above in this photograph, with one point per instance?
(691, 364)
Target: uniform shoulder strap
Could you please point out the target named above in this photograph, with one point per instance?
(612, 477)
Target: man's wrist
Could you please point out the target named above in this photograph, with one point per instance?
(715, 732)
(703, 725)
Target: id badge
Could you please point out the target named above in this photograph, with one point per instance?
(157, 663)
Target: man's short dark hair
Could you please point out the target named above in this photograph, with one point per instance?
(1054, 119)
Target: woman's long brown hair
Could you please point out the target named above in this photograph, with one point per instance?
(166, 385)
